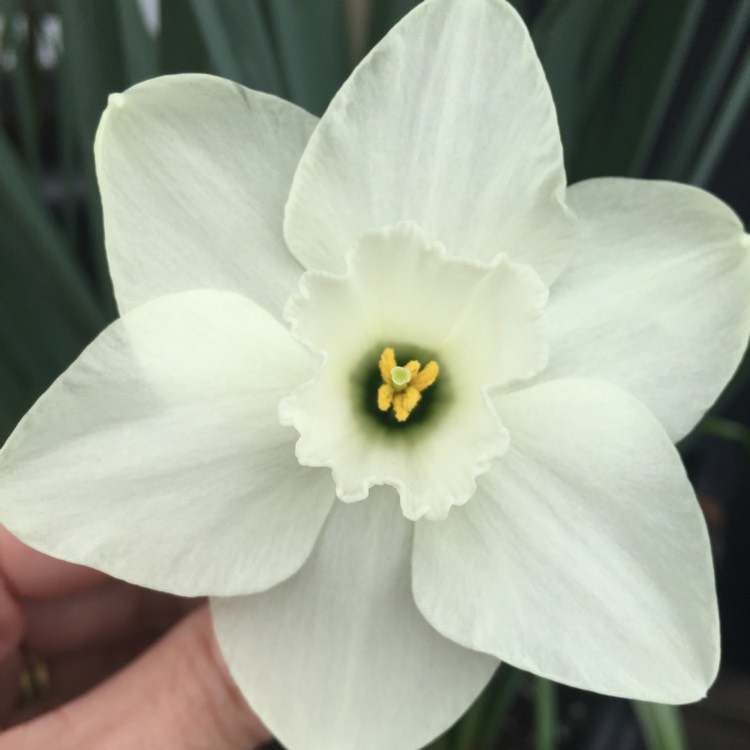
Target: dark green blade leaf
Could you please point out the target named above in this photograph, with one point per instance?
(42, 323)
(661, 726)
(216, 38)
(616, 125)
(237, 37)
(502, 698)
(385, 14)
(21, 79)
(15, 399)
(723, 128)
(683, 143)
(94, 66)
(481, 726)
(726, 429)
(669, 79)
(522, 6)
(67, 137)
(579, 43)
(44, 247)
(180, 44)
(311, 39)
(137, 44)
(545, 714)
(560, 36)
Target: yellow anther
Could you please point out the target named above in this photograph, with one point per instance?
(413, 367)
(402, 386)
(404, 403)
(385, 396)
(425, 377)
(387, 363)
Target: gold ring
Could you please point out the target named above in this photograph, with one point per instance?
(34, 682)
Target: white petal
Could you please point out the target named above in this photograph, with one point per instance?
(338, 657)
(194, 172)
(658, 299)
(448, 122)
(483, 324)
(584, 556)
(158, 456)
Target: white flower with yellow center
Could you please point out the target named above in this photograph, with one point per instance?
(487, 368)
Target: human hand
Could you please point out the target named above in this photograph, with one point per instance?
(118, 666)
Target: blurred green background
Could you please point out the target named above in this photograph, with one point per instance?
(648, 88)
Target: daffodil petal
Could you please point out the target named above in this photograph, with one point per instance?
(448, 122)
(338, 657)
(158, 456)
(194, 172)
(584, 556)
(657, 300)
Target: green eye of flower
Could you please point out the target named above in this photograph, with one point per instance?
(403, 387)
(375, 390)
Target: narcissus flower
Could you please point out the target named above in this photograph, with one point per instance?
(487, 368)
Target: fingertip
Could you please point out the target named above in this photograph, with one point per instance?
(11, 622)
(32, 574)
(234, 719)
(177, 696)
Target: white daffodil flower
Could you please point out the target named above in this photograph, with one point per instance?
(506, 464)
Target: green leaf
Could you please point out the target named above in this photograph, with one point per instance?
(636, 81)
(579, 43)
(560, 36)
(522, 6)
(14, 401)
(21, 81)
(180, 44)
(138, 46)
(441, 743)
(661, 725)
(216, 38)
(727, 429)
(67, 139)
(41, 330)
(313, 53)
(545, 714)
(669, 79)
(93, 64)
(385, 14)
(723, 128)
(482, 725)
(44, 247)
(683, 143)
(501, 699)
(237, 37)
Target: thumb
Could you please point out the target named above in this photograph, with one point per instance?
(177, 696)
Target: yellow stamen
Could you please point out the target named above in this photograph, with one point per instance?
(387, 363)
(413, 368)
(426, 377)
(402, 386)
(385, 396)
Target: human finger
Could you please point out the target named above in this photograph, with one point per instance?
(10, 682)
(11, 622)
(97, 615)
(176, 696)
(72, 674)
(32, 574)
(11, 632)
